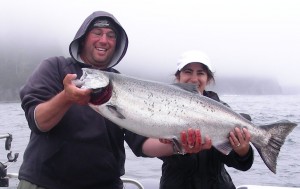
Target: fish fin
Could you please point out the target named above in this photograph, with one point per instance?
(177, 146)
(246, 116)
(269, 151)
(225, 148)
(187, 87)
(114, 111)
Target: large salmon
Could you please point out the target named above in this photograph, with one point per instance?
(159, 110)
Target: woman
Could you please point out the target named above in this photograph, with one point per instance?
(204, 170)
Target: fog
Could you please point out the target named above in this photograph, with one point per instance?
(256, 39)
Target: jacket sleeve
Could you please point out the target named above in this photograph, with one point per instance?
(237, 162)
(135, 142)
(43, 84)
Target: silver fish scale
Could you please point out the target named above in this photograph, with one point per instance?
(160, 110)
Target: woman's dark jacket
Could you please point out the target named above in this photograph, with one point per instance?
(204, 170)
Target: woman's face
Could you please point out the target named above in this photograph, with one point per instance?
(194, 73)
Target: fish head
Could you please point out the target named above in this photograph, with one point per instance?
(92, 79)
(99, 82)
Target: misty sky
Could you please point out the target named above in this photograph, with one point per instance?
(250, 37)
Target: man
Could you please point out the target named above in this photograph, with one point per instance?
(71, 146)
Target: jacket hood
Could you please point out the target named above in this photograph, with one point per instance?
(122, 41)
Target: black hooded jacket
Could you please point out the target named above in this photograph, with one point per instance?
(84, 150)
(204, 170)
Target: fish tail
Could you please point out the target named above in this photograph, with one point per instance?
(269, 151)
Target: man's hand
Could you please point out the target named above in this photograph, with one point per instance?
(73, 93)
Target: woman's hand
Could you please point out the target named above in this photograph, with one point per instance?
(240, 141)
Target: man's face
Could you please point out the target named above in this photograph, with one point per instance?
(99, 47)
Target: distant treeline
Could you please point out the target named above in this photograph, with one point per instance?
(17, 66)
(247, 86)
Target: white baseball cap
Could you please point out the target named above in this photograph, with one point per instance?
(193, 56)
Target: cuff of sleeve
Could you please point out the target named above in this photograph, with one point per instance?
(246, 157)
(34, 117)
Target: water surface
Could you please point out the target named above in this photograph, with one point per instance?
(263, 110)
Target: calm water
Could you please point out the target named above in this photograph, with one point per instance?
(263, 110)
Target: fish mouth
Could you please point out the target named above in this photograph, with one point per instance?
(101, 95)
